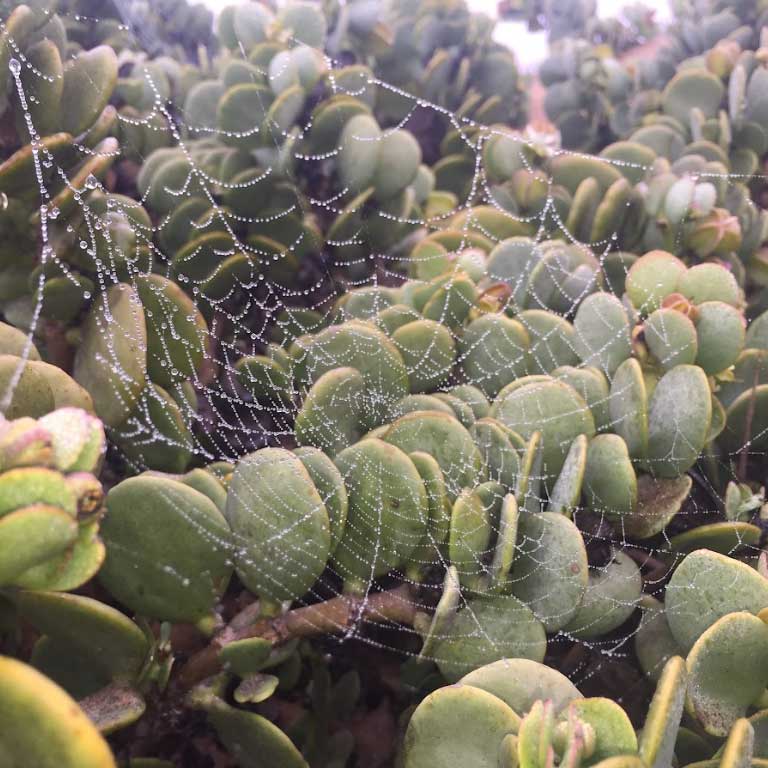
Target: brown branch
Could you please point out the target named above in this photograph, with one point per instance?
(58, 349)
(657, 570)
(327, 618)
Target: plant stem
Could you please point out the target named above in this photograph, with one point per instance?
(327, 618)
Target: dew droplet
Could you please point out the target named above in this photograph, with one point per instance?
(15, 66)
(91, 182)
(3, 201)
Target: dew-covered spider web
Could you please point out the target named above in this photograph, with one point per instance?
(261, 227)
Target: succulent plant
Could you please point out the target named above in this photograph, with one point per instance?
(438, 51)
(693, 91)
(69, 285)
(47, 135)
(71, 738)
(51, 500)
(639, 194)
(519, 712)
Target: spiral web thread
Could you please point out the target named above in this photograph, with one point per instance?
(230, 423)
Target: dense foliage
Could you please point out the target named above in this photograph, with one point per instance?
(307, 340)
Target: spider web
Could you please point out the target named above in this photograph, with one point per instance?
(268, 305)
